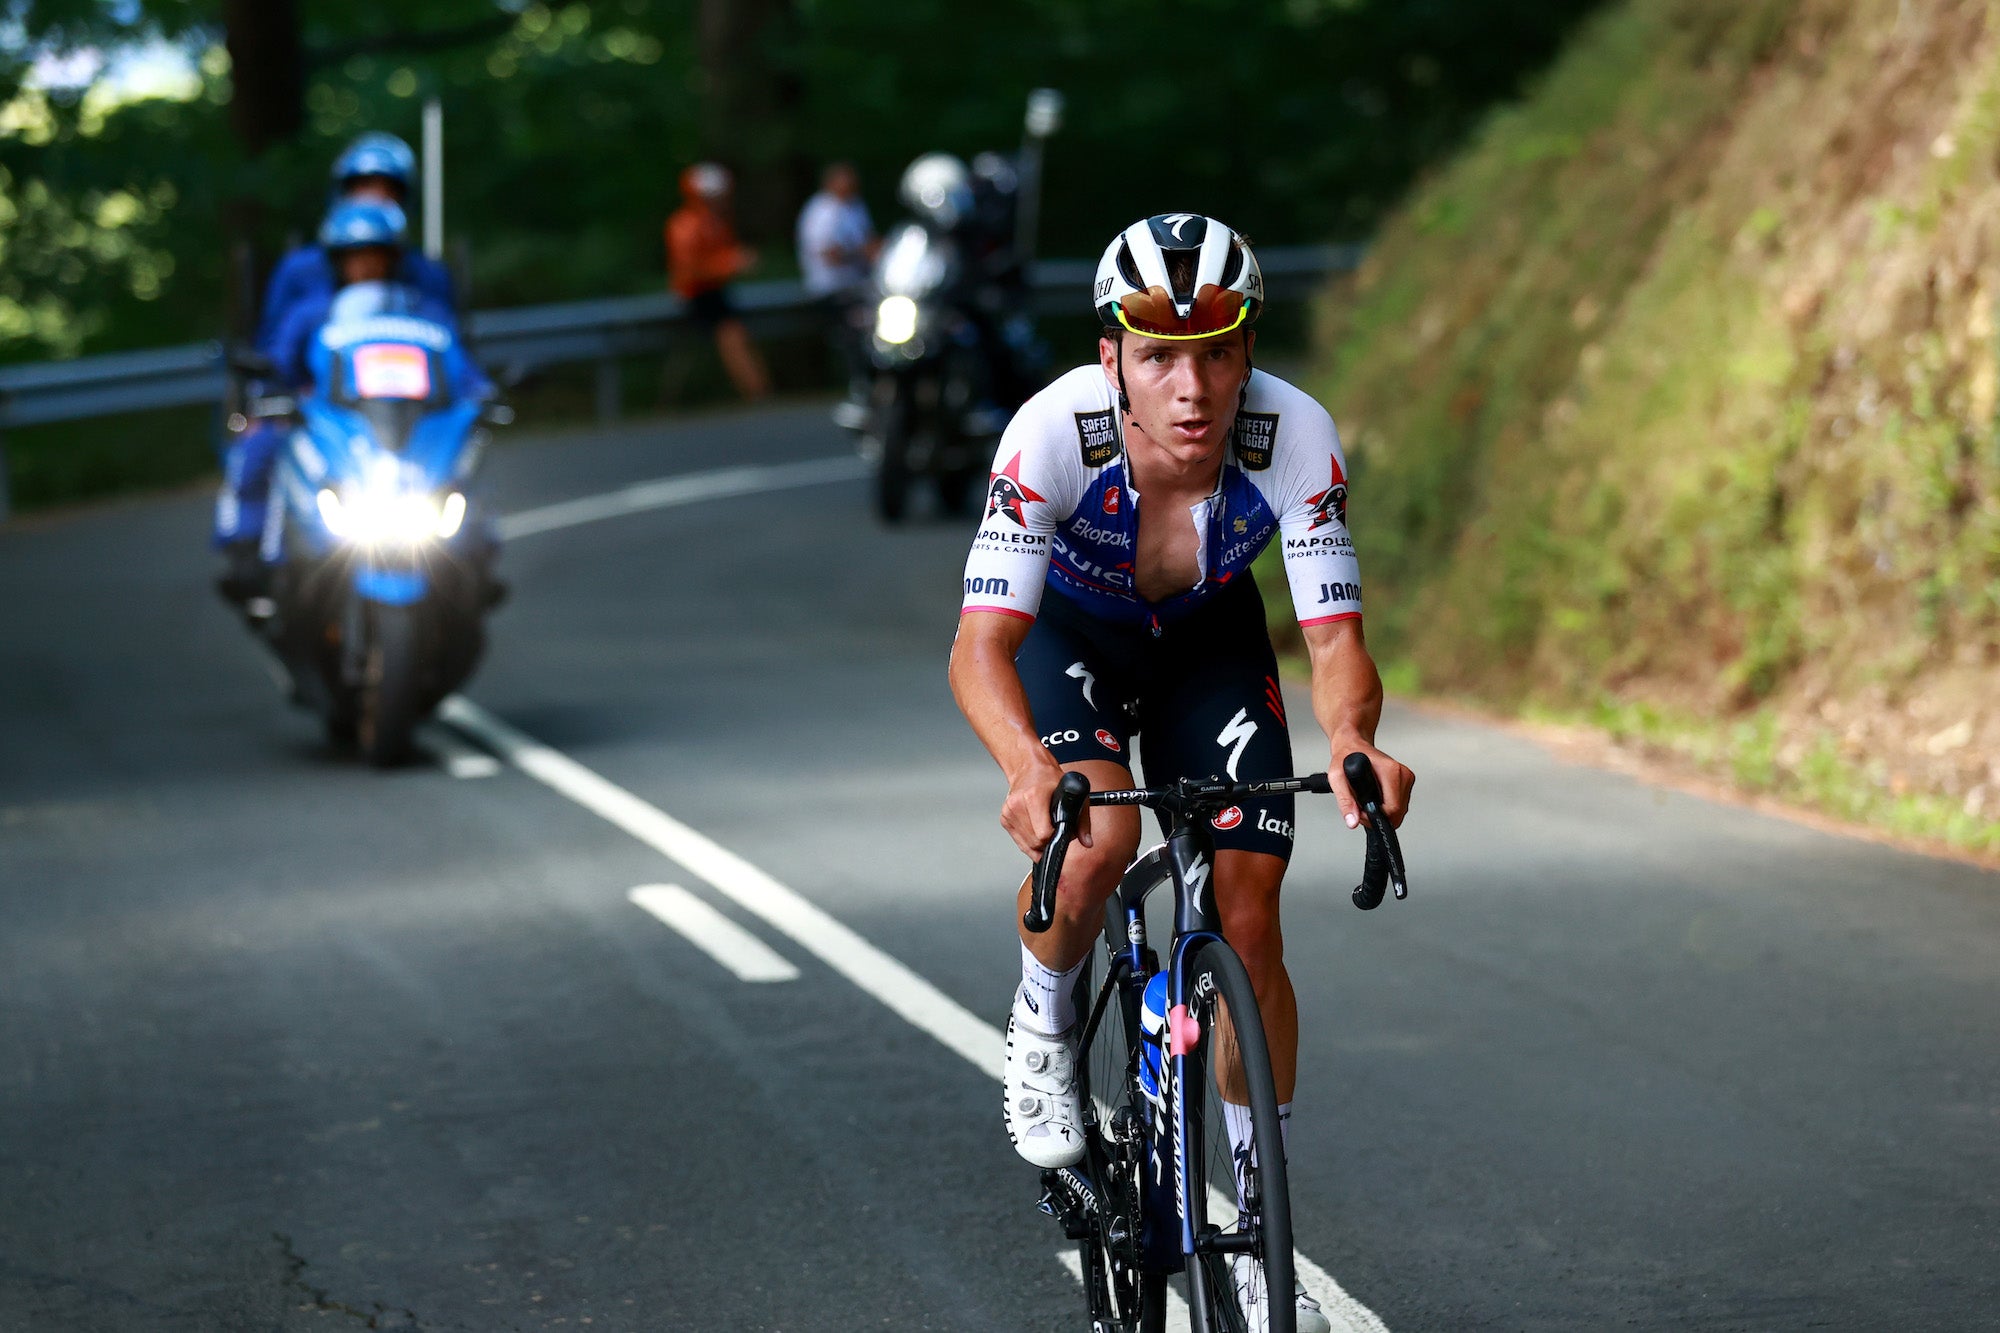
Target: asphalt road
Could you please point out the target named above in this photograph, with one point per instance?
(286, 1043)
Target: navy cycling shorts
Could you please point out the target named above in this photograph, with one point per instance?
(1200, 697)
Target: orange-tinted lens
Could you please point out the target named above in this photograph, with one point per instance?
(1151, 312)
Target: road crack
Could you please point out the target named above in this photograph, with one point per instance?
(318, 1298)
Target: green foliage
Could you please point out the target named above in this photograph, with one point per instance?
(566, 130)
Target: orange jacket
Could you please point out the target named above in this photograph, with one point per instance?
(702, 250)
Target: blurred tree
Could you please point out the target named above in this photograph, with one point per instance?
(568, 122)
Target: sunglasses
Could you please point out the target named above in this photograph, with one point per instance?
(1151, 313)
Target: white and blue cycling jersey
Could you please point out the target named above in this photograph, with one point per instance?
(1061, 512)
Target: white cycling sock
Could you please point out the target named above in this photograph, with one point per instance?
(1242, 1136)
(1046, 1001)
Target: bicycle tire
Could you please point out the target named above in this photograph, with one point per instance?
(1232, 1042)
(1130, 1299)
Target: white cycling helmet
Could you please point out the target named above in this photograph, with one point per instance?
(1178, 275)
(937, 186)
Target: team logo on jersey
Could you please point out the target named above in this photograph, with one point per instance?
(1112, 499)
(1241, 525)
(1229, 818)
(1109, 741)
(1097, 436)
(1330, 505)
(1256, 436)
(1005, 494)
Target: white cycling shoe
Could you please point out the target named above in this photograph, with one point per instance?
(1044, 1113)
(1250, 1293)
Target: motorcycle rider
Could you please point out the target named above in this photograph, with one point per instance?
(375, 167)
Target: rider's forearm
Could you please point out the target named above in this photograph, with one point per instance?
(989, 693)
(1346, 688)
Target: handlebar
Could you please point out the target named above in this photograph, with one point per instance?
(1383, 868)
(1064, 808)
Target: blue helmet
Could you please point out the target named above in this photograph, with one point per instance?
(358, 222)
(376, 154)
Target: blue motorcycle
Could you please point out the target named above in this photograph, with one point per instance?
(381, 555)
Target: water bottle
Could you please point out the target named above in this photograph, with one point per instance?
(1152, 1034)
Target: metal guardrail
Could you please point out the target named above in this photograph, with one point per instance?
(604, 331)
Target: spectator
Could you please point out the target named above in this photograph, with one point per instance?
(837, 248)
(703, 258)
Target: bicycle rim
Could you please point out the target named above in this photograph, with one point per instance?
(1238, 1201)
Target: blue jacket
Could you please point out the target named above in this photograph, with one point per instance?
(302, 357)
(307, 272)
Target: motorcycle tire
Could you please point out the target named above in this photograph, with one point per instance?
(955, 490)
(892, 472)
(389, 707)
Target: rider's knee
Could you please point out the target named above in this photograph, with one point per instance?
(1090, 875)
(1248, 902)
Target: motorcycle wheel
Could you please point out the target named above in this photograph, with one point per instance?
(387, 718)
(892, 473)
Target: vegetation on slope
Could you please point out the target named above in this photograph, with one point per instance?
(1671, 402)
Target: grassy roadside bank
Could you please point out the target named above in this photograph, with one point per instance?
(1670, 406)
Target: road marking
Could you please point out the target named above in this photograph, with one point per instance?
(453, 755)
(903, 991)
(1178, 1319)
(908, 995)
(668, 492)
(713, 933)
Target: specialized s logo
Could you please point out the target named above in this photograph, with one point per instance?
(1005, 494)
(1256, 439)
(1330, 505)
(1097, 437)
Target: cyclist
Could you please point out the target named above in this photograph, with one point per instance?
(1108, 598)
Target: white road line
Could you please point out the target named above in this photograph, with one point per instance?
(713, 933)
(667, 492)
(911, 997)
(907, 994)
(453, 755)
(1178, 1319)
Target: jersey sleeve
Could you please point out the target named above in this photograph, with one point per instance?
(1032, 489)
(1320, 564)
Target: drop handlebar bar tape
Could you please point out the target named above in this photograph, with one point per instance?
(1383, 867)
(1067, 804)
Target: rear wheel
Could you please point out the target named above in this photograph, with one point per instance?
(386, 719)
(1124, 1298)
(1241, 1200)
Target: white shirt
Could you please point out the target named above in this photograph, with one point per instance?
(1061, 513)
(827, 223)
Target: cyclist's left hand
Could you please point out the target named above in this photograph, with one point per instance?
(1396, 783)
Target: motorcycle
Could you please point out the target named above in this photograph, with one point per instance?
(382, 556)
(932, 408)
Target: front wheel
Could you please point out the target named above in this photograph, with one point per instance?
(1240, 1276)
(1125, 1296)
(386, 720)
(896, 413)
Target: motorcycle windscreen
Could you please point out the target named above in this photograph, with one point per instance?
(392, 385)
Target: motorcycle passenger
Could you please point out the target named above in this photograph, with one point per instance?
(375, 166)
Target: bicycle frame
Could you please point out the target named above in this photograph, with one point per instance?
(1186, 860)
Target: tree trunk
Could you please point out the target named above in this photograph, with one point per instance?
(751, 95)
(267, 72)
(266, 107)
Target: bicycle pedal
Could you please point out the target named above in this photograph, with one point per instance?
(1047, 1203)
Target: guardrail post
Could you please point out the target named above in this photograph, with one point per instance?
(610, 389)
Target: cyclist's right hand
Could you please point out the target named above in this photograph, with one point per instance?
(1025, 812)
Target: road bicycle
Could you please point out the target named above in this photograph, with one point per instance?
(1153, 1193)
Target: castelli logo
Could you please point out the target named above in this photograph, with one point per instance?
(1111, 500)
(1229, 818)
(1107, 740)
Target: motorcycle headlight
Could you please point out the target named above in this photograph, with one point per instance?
(390, 518)
(896, 320)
